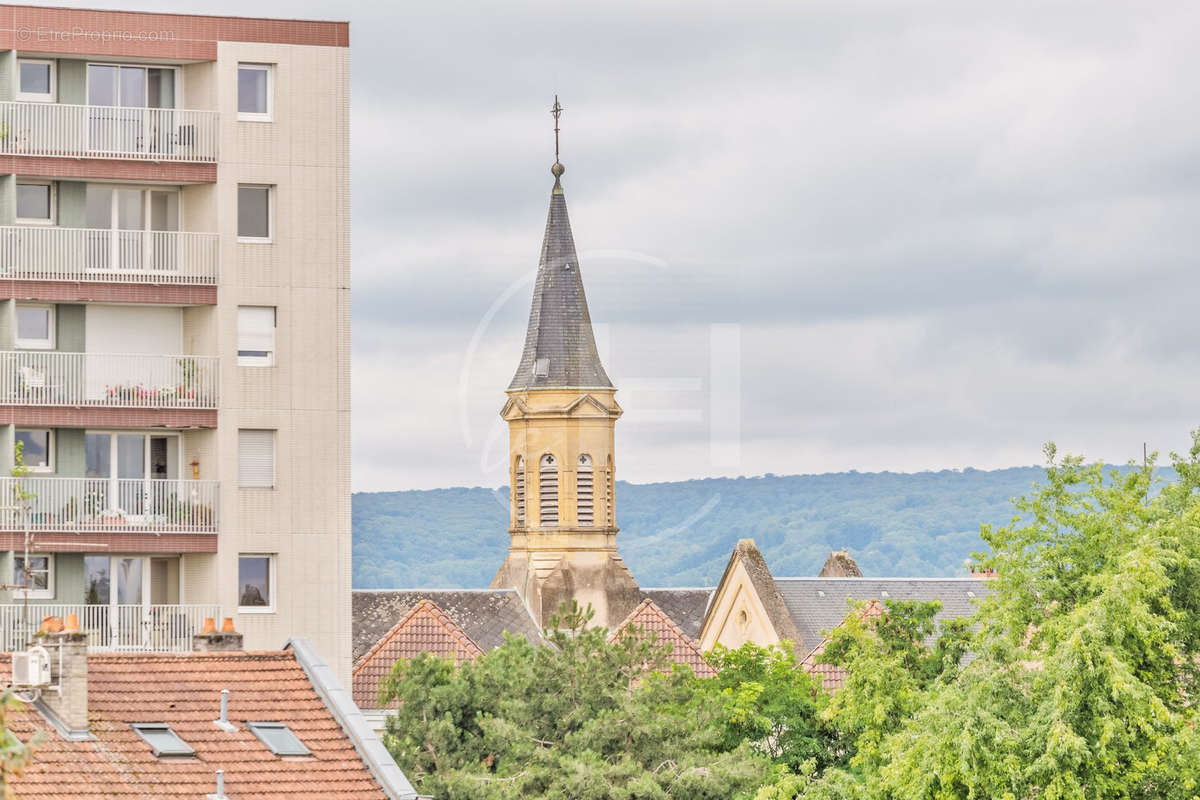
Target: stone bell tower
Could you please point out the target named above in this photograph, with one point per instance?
(561, 412)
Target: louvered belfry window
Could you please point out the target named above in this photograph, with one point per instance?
(548, 490)
(584, 490)
(520, 490)
(608, 494)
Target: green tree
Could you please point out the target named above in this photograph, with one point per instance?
(577, 719)
(771, 703)
(1085, 661)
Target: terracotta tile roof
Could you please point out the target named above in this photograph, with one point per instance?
(424, 629)
(183, 691)
(485, 614)
(650, 619)
(685, 607)
(833, 676)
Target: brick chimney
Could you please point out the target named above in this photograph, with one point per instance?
(210, 640)
(69, 704)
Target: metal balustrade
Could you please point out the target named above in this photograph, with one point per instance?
(112, 380)
(37, 253)
(81, 131)
(145, 628)
(109, 505)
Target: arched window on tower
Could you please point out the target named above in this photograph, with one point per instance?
(519, 490)
(584, 491)
(548, 490)
(609, 486)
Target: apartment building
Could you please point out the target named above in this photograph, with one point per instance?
(174, 327)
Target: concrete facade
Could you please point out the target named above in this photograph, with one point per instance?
(303, 271)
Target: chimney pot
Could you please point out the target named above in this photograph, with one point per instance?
(210, 626)
(227, 626)
(72, 624)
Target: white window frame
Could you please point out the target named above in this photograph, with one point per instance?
(270, 214)
(37, 97)
(178, 80)
(37, 344)
(274, 459)
(36, 594)
(258, 361)
(53, 204)
(49, 449)
(255, 116)
(272, 584)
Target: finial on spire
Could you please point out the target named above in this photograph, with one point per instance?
(558, 169)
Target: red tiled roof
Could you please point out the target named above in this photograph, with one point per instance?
(424, 629)
(183, 691)
(833, 676)
(647, 619)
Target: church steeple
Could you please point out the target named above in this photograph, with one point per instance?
(560, 350)
(561, 413)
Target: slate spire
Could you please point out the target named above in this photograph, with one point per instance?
(560, 350)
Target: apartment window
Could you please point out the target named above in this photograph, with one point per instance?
(256, 459)
(36, 80)
(255, 89)
(38, 583)
(35, 327)
(37, 449)
(254, 213)
(256, 583)
(256, 336)
(35, 203)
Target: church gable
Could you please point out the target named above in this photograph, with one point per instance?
(747, 606)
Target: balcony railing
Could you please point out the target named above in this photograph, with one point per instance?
(147, 628)
(109, 505)
(73, 131)
(38, 253)
(53, 378)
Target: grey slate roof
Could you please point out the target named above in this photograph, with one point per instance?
(560, 328)
(484, 614)
(817, 605)
(685, 607)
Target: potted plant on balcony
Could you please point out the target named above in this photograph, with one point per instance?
(189, 380)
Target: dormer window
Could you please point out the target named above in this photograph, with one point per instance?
(541, 368)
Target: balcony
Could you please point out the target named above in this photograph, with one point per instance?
(92, 255)
(75, 131)
(109, 505)
(107, 380)
(129, 628)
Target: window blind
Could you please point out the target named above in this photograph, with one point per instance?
(256, 334)
(256, 459)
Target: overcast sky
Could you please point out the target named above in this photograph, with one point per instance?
(868, 236)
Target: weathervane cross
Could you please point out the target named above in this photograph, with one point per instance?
(557, 112)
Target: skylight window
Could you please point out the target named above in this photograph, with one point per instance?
(162, 740)
(278, 738)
